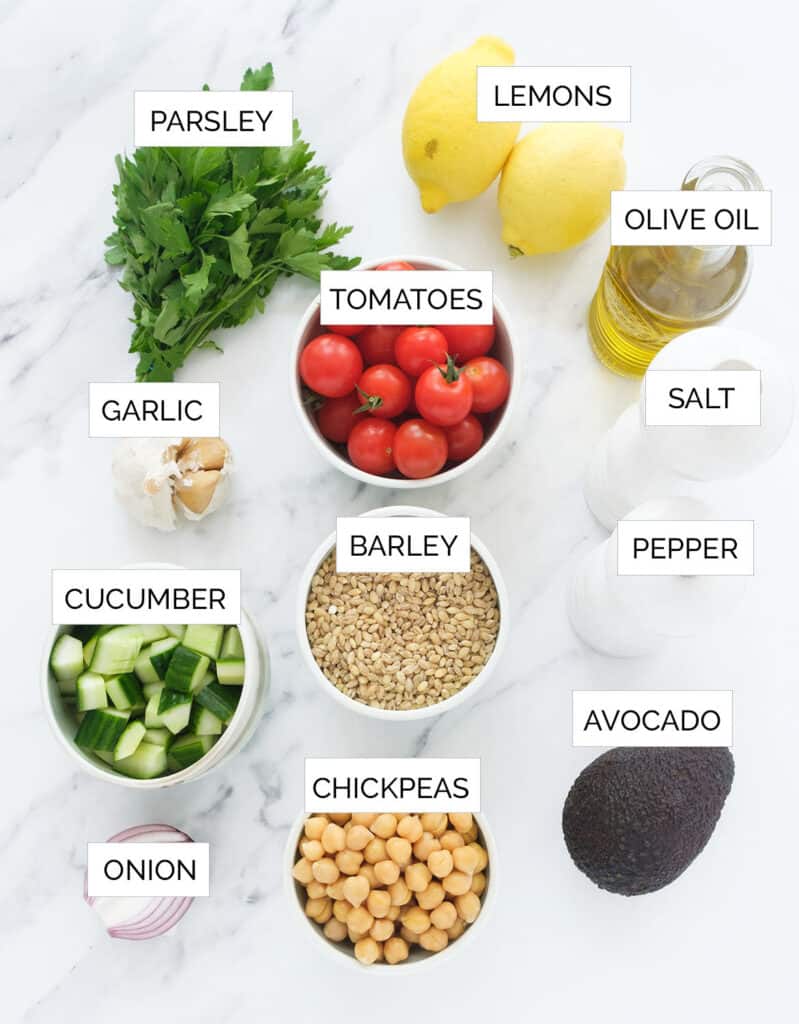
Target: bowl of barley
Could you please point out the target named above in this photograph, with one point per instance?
(401, 646)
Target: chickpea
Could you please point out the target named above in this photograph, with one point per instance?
(399, 850)
(363, 819)
(378, 902)
(432, 896)
(341, 909)
(382, 929)
(356, 890)
(451, 840)
(409, 936)
(354, 936)
(468, 906)
(435, 824)
(482, 862)
(367, 950)
(302, 871)
(478, 883)
(396, 950)
(423, 847)
(360, 920)
(417, 877)
(387, 872)
(314, 907)
(348, 862)
(461, 822)
(314, 827)
(471, 835)
(456, 930)
(466, 859)
(416, 920)
(368, 872)
(434, 940)
(393, 913)
(358, 837)
(312, 849)
(400, 893)
(444, 916)
(325, 870)
(334, 838)
(375, 850)
(316, 890)
(457, 883)
(440, 863)
(336, 890)
(410, 828)
(385, 826)
(339, 819)
(326, 913)
(335, 930)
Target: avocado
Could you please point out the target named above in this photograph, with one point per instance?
(637, 817)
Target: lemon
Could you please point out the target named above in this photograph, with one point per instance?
(448, 154)
(555, 188)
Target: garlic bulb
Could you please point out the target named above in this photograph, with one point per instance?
(157, 478)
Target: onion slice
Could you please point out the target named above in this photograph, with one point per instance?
(135, 917)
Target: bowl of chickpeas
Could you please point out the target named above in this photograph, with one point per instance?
(391, 890)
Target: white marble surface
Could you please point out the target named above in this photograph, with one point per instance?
(719, 944)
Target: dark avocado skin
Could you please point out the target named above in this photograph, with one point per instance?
(636, 817)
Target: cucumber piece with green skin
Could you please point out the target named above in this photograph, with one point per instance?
(66, 661)
(129, 741)
(147, 762)
(189, 748)
(152, 688)
(101, 728)
(84, 633)
(115, 653)
(230, 671)
(88, 650)
(232, 646)
(90, 688)
(151, 717)
(221, 700)
(204, 722)
(160, 737)
(125, 692)
(177, 631)
(204, 639)
(161, 654)
(186, 670)
(146, 632)
(174, 710)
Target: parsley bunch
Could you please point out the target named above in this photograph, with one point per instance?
(204, 233)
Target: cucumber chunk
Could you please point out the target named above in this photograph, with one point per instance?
(88, 650)
(160, 737)
(129, 741)
(151, 717)
(151, 688)
(204, 722)
(204, 639)
(125, 692)
(189, 748)
(152, 663)
(115, 652)
(187, 669)
(177, 631)
(101, 729)
(66, 661)
(221, 700)
(230, 671)
(174, 710)
(232, 646)
(146, 632)
(90, 688)
(147, 762)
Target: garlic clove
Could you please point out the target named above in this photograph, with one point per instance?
(195, 488)
(202, 453)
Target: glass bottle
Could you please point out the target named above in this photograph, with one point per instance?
(647, 295)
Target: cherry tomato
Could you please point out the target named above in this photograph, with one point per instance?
(371, 445)
(377, 344)
(444, 395)
(348, 330)
(490, 383)
(418, 348)
(330, 365)
(337, 417)
(385, 390)
(420, 449)
(467, 341)
(464, 439)
(396, 265)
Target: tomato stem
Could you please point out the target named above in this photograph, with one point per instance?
(450, 373)
(370, 402)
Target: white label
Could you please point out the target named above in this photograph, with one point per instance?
(407, 297)
(255, 118)
(403, 544)
(682, 217)
(702, 398)
(154, 410)
(105, 597)
(553, 94)
(147, 869)
(652, 718)
(391, 784)
(686, 547)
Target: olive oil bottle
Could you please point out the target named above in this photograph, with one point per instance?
(649, 294)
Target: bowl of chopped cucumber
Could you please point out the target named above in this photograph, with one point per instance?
(148, 706)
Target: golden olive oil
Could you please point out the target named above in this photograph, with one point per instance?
(647, 295)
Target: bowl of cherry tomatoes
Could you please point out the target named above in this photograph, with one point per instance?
(404, 406)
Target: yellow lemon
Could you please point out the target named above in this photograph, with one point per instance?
(555, 188)
(448, 154)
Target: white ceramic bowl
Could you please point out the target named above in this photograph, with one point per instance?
(457, 699)
(343, 952)
(310, 327)
(237, 735)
